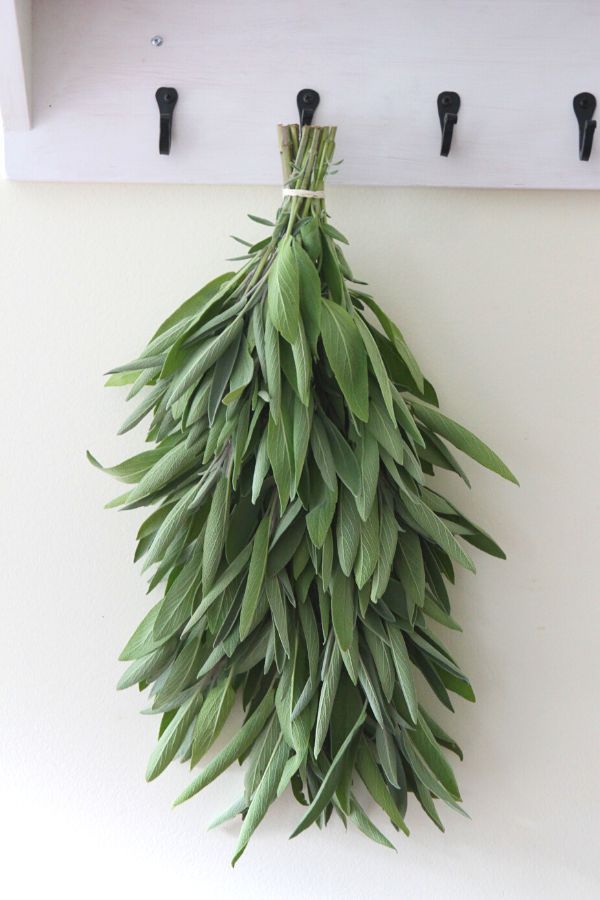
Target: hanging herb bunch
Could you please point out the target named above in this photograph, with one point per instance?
(301, 560)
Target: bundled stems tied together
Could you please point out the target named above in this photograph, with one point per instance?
(301, 554)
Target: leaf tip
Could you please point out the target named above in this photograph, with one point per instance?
(236, 856)
(92, 459)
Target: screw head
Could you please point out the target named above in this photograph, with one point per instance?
(157, 40)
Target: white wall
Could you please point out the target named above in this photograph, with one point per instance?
(497, 292)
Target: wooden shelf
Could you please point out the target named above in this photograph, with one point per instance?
(77, 85)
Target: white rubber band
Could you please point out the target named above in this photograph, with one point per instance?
(299, 192)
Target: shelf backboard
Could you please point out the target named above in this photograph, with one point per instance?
(238, 66)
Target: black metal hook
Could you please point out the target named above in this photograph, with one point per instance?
(166, 97)
(585, 105)
(307, 101)
(448, 103)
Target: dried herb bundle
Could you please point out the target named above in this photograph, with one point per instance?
(300, 556)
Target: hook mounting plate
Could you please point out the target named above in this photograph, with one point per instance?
(448, 104)
(166, 97)
(307, 101)
(584, 105)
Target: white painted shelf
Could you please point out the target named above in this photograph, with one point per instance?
(78, 78)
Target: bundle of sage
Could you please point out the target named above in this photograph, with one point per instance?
(300, 555)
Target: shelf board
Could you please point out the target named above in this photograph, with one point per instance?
(517, 64)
